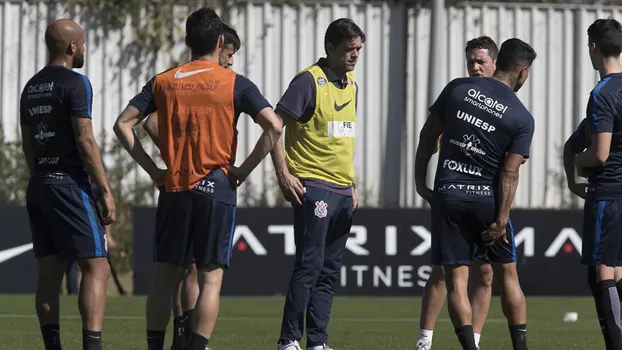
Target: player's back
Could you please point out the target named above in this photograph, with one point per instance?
(48, 102)
(196, 121)
(61, 208)
(605, 107)
(483, 121)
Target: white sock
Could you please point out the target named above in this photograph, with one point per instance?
(425, 334)
(477, 336)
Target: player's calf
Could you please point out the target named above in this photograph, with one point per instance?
(432, 302)
(208, 305)
(159, 301)
(179, 320)
(190, 294)
(47, 302)
(513, 303)
(605, 293)
(92, 300)
(457, 279)
(480, 295)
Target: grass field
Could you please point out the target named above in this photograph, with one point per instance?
(357, 324)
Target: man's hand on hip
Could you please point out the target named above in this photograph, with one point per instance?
(291, 187)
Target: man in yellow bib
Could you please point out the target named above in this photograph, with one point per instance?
(316, 174)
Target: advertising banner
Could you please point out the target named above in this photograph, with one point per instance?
(388, 252)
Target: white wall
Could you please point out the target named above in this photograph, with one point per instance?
(392, 75)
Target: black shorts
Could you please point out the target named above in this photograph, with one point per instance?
(456, 233)
(65, 220)
(602, 233)
(192, 225)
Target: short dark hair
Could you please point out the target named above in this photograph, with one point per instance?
(231, 37)
(607, 35)
(203, 29)
(514, 55)
(483, 43)
(343, 29)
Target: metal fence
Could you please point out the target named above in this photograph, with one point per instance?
(278, 41)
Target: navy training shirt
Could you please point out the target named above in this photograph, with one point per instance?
(48, 102)
(483, 121)
(604, 114)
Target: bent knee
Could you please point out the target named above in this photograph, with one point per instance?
(191, 275)
(437, 277)
(95, 266)
(191, 272)
(51, 271)
(457, 278)
(605, 272)
(210, 274)
(486, 275)
(506, 272)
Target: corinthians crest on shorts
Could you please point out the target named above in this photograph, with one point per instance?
(320, 209)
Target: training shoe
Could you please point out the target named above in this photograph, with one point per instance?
(290, 345)
(424, 344)
(320, 347)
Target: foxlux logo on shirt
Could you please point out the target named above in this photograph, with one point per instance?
(483, 102)
(462, 167)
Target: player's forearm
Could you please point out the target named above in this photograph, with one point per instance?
(154, 137)
(268, 139)
(508, 183)
(152, 130)
(589, 158)
(92, 161)
(569, 165)
(278, 158)
(132, 145)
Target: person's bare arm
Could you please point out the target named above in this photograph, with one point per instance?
(278, 152)
(272, 126)
(516, 155)
(151, 127)
(296, 106)
(431, 140)
(428, 142)
(89, 152)
(124, 129)
(291, 187)
(508, 183)
(94, 165)
(576, 143)
(604, 112)
(569, 164)
(597, 153)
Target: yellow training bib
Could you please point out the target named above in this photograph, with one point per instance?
(323, 147)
